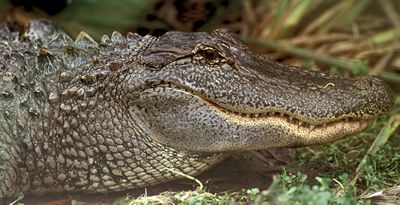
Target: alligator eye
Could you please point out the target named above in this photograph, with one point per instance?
(211, 55)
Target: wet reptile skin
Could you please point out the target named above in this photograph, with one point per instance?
(101, 117)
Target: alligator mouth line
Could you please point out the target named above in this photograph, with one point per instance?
(243, 117)
(354, 123)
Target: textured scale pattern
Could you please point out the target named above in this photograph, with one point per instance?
(70, 135)
(122, 113)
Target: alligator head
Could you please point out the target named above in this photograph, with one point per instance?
(205, 92)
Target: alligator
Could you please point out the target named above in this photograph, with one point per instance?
(125, 112)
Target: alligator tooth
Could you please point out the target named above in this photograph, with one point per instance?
(282, 115)
(256, 114)
(290, 118)
(248, 115)
(300, 122)
(312, 127)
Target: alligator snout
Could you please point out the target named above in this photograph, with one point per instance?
(366, 83)
(214, 88)
(376, 95)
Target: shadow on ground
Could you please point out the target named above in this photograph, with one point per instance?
(247, 170)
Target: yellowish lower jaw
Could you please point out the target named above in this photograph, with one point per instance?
(302, 135)
(292, 132)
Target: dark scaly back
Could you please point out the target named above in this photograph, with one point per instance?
(63, 120)
(29, 70)
(14, 112)
(22, 99)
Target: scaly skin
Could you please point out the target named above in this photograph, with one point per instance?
(82, 116)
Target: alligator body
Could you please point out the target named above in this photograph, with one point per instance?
(109, 116)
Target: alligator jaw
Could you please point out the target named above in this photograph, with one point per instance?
(291, 120)
(166, 113)
(308, 134)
